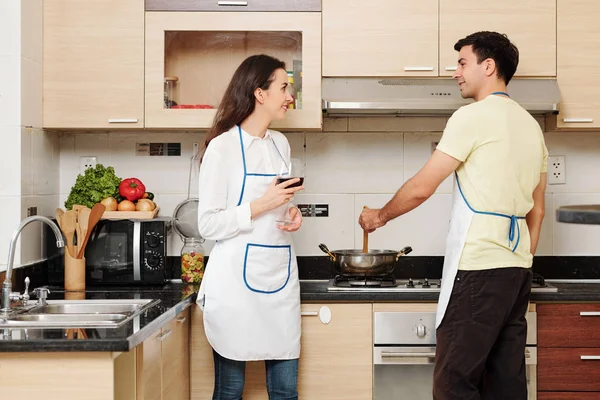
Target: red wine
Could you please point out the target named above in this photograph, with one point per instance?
(279, 180)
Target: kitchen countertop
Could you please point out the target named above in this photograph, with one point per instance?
(316, 290)
(174, 298)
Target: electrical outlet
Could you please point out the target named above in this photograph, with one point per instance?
(87, 162)
(557, 170)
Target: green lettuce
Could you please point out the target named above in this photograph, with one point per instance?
(94, 185)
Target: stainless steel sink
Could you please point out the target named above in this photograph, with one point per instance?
(78, 313)
(127, 307)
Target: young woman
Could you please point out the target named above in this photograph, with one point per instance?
(250, 292)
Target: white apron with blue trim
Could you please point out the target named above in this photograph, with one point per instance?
(460, 221)
(252, 294)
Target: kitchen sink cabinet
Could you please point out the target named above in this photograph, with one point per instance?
(578, 64)
(163, 371)
(380, 38)
(336, 360)
(191, 57)
(93, 75)
(568, 350)
(531, 25)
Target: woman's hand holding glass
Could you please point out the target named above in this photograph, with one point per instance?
(275, 196)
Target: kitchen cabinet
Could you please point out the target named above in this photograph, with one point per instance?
(569, 349)
(198, 52)
(578, 64)
(336, 360)
(380, 38)
(530, 25)
(163, 362)
(93, 75)
(566, 396)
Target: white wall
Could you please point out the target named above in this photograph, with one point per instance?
(354, 162)
(29, 163)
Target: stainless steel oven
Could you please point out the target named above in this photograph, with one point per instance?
(404, 353)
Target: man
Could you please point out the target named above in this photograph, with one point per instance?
(497, 152)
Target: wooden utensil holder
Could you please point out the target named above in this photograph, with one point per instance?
(74, 272)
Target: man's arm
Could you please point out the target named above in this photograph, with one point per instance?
(535, 216)
(420, 187)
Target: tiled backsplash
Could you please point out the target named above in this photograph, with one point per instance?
(350, 169)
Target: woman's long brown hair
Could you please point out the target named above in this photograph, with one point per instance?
(238, 101)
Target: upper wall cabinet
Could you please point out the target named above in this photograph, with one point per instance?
(191, 57)
(93, 64)
(578, 38)
(530, 25)
(380, 38)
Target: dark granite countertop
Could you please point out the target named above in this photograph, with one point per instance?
(316, 290)
(174, 298)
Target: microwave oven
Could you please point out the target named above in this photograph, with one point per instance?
(118, 252)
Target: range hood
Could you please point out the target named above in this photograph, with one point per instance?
(435, 96)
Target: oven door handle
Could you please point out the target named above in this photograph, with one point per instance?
(398, 354)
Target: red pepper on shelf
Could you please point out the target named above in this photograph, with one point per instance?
(132, 189)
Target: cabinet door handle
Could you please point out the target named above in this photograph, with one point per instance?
(589, 313)
(232, 3)
(181, 320)
(590, 357)
(416, 69)
(450, 68)
(165, 335)
(123, 121)
(324, 314)
(578, 120)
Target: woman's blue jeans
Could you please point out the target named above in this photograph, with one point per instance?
(282, 379)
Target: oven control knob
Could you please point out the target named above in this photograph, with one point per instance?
(153, 240)
(421, 331)
(153, 261)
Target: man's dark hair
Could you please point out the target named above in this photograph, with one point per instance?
(495, 46)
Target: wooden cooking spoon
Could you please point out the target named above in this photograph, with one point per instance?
(93, 219)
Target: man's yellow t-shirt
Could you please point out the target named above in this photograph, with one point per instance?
(503, 153)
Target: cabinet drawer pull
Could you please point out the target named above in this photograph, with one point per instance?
(165, 335)
(123, 121)
(590, 357)
(324, 314)
(181, 320)
(578, 120)
(232, 3)
(450, 68)
(416, 69)
(395, 354)
(589, 313)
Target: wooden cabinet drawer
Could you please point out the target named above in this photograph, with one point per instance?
(233, 5)
(569, 369)
(568, 325)
(568, 396)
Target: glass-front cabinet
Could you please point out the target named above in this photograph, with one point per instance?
(191, 57)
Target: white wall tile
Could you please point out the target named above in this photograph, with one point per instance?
(575, 239)
(10, 90)
(72, 147)
(32, 29)
(336, 231)
(46, 162)
(547, 233)
(335, 124)
(27, 161)
(354, 162)
(417, 150)
(10, 32)
(10, 162)
(10, 207)
(424, 229)
(31, 93)
(582, 160)
(296, 141)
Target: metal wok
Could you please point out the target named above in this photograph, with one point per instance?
(357, 263)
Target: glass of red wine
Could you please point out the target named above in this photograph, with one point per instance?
(295, 169)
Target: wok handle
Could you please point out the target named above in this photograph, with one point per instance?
(324, 249)
(403, 252)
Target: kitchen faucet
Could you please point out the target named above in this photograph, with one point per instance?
(7, 294)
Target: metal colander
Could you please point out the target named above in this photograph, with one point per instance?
(186, 219)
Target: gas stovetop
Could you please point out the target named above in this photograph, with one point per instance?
(391, 284)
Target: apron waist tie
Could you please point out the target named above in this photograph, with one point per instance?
(514, 220)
